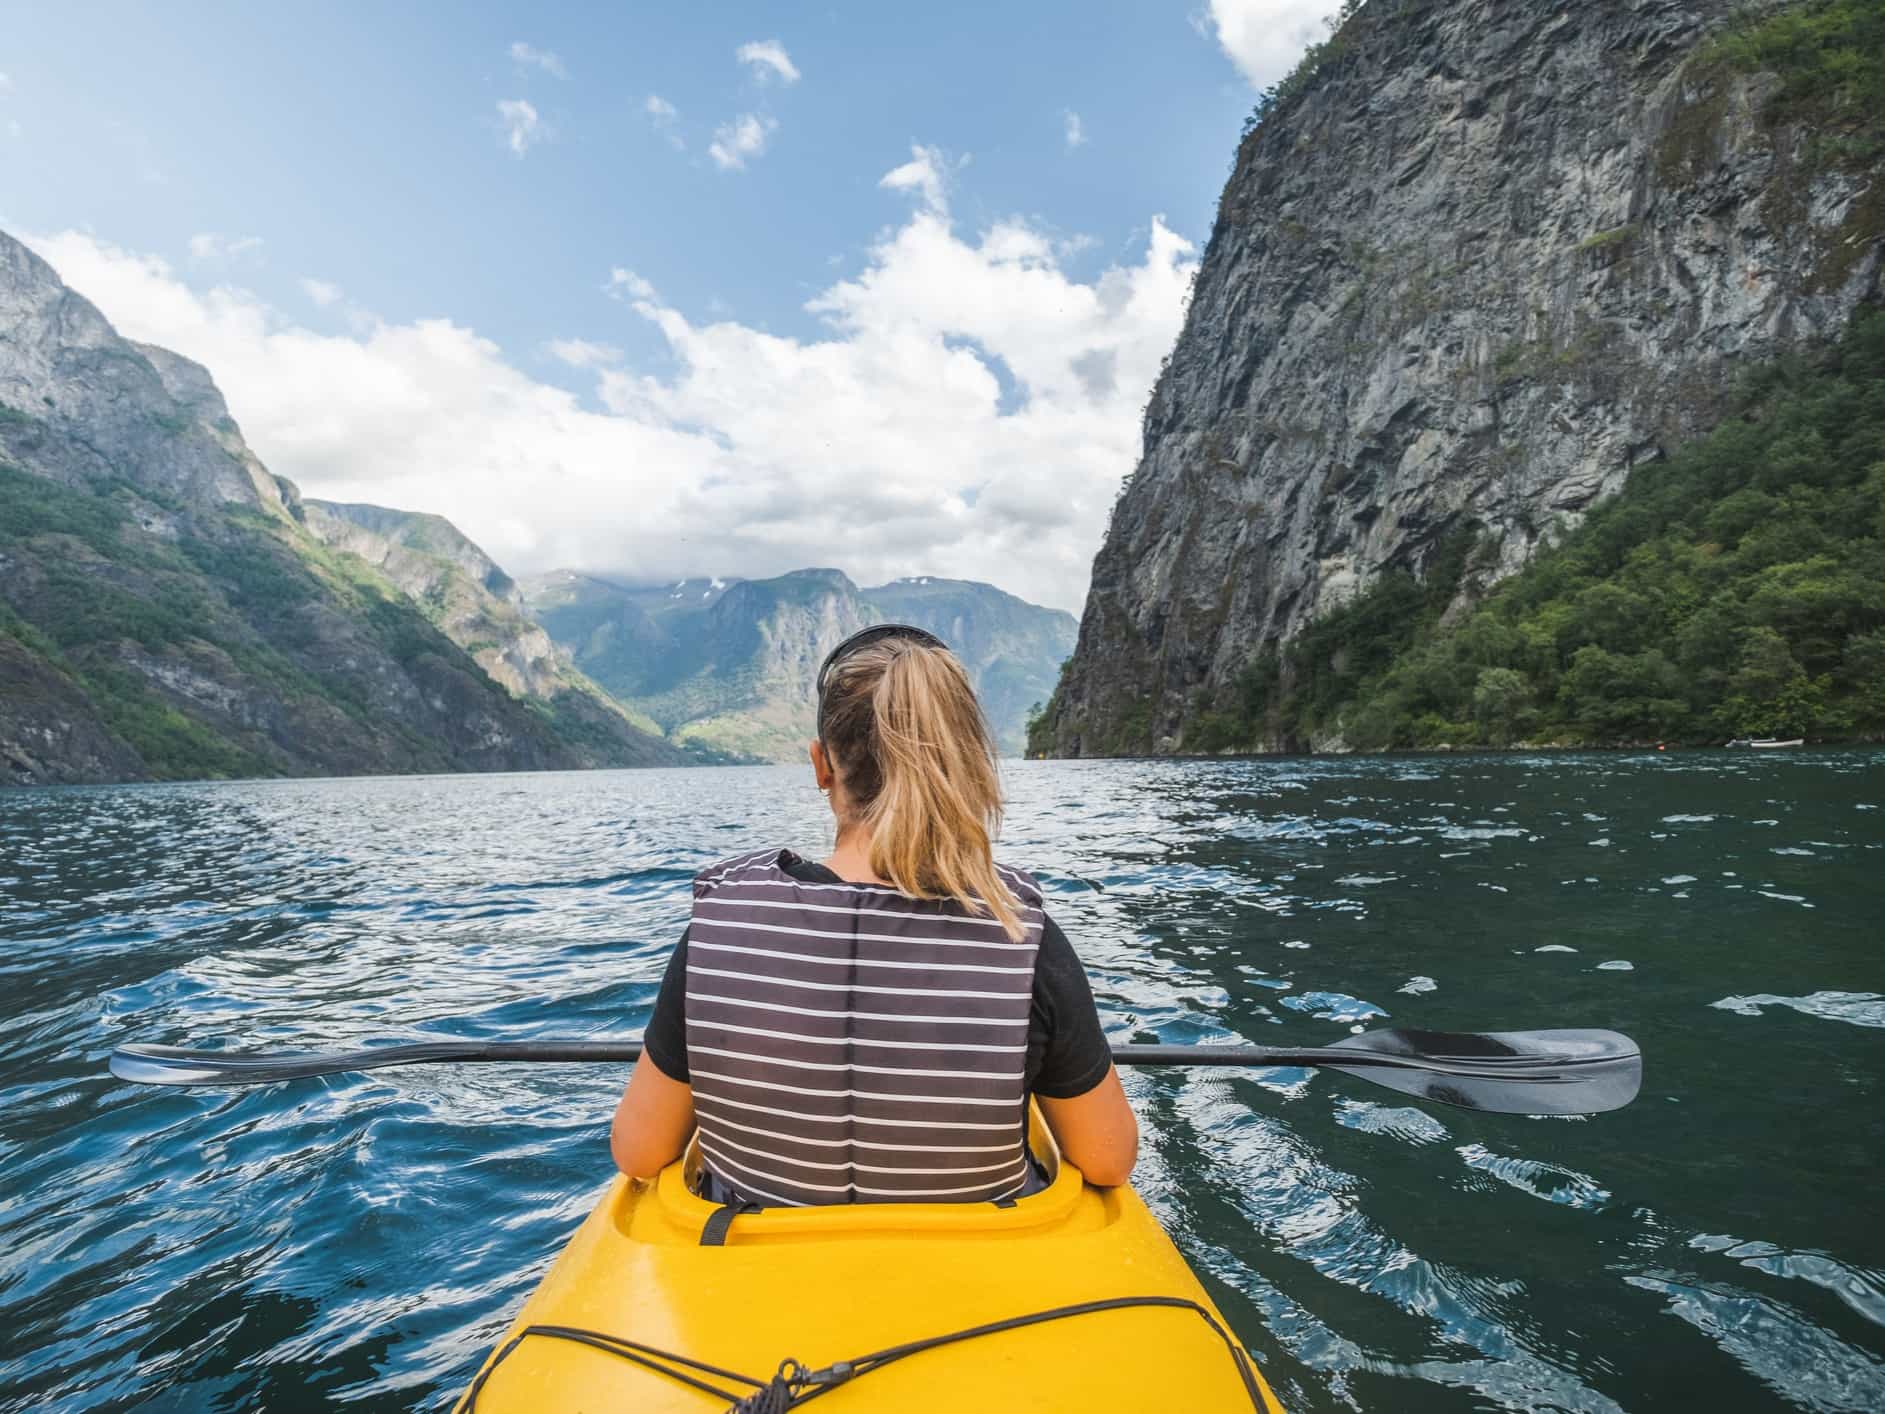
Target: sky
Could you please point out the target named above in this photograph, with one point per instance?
(654, 290)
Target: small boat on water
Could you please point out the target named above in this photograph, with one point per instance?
(1766, 742)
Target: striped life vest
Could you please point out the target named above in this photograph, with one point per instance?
(849, 1044)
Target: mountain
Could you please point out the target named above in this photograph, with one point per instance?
(1736, 590)
(732, 664)
(169, 609)
(1475, 263)
(473, 602)
(1012, 649)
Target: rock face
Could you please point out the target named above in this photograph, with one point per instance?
(457, 586)
(732, 664)
(86, 406)
(166, 612)
(1489, 258)
(479, 607)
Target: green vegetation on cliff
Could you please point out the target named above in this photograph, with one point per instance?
(182, 647)
(1737, 589)
(1829, 55)
(168, 609)
(96, 594)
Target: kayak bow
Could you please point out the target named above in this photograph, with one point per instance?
(637, 1314)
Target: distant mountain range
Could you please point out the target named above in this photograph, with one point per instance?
(169, 609)
(730, 664)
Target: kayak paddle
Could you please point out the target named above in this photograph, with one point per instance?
(1570, 1072)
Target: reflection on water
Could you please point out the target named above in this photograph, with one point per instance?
(362, 1240)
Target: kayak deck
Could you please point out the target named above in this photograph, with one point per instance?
(821, 1285)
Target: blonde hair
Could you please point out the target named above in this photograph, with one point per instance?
(910, 744)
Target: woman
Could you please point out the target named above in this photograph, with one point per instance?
(869, 1029)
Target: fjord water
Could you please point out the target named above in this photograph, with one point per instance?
(361, 1241)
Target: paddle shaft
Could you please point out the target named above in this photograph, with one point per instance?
(259, 1068)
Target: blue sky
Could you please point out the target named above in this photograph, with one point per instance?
(658, 289)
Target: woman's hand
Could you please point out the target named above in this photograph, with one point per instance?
(1097, 1131)
(652, 1122)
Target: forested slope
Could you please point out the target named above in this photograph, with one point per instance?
(1736, 590)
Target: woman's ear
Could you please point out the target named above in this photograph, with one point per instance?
(821, 765)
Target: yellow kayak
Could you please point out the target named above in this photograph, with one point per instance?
(643, 1317)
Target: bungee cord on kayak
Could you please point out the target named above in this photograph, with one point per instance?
(796, 1384)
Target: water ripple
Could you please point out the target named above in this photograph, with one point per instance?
(359, 1241)
(1858, 1008)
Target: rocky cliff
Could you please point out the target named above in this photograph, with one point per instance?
(732, 664)
(165, 610)
(467, 597)
(1478, 261)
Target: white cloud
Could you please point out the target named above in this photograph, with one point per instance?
(767, 59)
(627, 285)
(6, 84)
(522, 125)
(582, 353)
(320, 291)
(1076, 133)
(663, 115)
(966, 408)
(925, 173)
(530, 56)
(208, 245)
(1265, 38)
(746, 136)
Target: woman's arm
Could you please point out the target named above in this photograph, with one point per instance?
(657, 1110)
(1078, 1088)
(652, 1122)
(1097, 1131)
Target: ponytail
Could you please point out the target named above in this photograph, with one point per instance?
(918, 766)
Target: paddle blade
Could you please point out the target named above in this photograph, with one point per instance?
(173, 1065)
(1573, 1072)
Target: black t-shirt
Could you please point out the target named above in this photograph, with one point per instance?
(1067, 1051)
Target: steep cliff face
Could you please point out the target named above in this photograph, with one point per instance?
(732, 664)
(471, 600)
(84, 406)
(165, 612)
(1490, 257)
(457, 586)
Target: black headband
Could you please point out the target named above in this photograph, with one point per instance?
(863, 638)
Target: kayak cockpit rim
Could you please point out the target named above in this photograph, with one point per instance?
(676, 1192)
